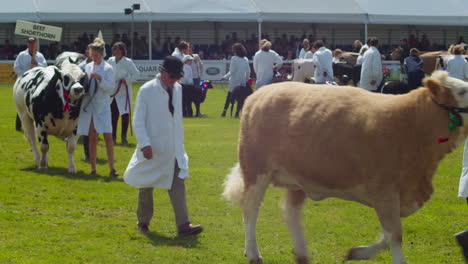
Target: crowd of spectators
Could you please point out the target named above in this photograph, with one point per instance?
(287, 47)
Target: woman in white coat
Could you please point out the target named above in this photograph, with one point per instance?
(265, 62)
(238, 75)
(160, 160)
(125, 73)
(371, 71)
(95, 114)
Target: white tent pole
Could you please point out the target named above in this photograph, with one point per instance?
(365, 33)
(150, 41)
(259, 31)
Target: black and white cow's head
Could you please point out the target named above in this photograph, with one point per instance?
(75, 82)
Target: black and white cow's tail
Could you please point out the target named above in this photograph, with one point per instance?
(234, 185)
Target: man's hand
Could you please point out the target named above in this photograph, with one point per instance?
(96, 76)
(373, 82)
(147, 152)
(34, 62)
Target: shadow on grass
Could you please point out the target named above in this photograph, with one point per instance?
(63, 172)
(185, 242)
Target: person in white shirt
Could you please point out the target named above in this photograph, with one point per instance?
(26, 60)
(180, 50)
(95, 113)
(125, 73)
(238, 75)
(323, 63)
(337, 55)
(457, 66)
(371, 71)
(197, 65)
(265, 62)
(187, 79)
(305, 48)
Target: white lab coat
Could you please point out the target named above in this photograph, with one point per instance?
(155, 126)
(263, 62)
(96, 102)
(302, 54)
(239, 72)
(197, 66)
(323, 63)
(177, 53)
(23, 62)
(188, 76)
(463, 187)
(457, 67)
(371, 69)
(124, 69)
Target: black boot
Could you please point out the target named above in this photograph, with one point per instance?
(462, 239)
(18, 123)
(224, 113)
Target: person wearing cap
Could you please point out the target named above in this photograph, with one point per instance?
(160, 160)
(26, 60)
(187, 79)
(125, 73)
(265, 62)
(413, 66)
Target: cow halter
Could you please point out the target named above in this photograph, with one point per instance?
(454, 115)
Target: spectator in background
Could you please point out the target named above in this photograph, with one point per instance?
(95, 113)
(323, 63)
(265, 62)
(180, 50)
(413, 41)
(406, 50)
(26, 60)
(238, 75)
(414, 69)
(160, 160)
(125, 73)
(357, 45)
(157, 48)
(371, 71)
(425, 45)
(7, 51)
(457, 66)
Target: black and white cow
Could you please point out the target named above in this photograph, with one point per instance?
(48, 102)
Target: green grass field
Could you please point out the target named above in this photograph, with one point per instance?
(50, 216)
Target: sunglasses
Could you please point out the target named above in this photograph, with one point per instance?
(173, 76)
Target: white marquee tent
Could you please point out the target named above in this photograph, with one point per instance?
(414, 12)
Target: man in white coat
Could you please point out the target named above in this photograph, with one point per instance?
(265, 62)
(322, 59)
(180, 50)
(160, 160)
(371, 71)
(26, 60)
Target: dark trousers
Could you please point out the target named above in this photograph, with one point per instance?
(178, 201)
(115, 120)
(228, 101)
(86, 147)
(18, 122)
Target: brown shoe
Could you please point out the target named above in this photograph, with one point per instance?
(143, 228)
(114, 173)
(188, 229)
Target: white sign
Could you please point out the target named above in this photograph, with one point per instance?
(36, 30)
(212, 70)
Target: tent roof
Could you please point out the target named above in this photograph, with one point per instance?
(415, 12)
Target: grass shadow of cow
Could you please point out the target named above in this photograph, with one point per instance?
(63, 172)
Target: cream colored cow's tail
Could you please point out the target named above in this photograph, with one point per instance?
(234, 185)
